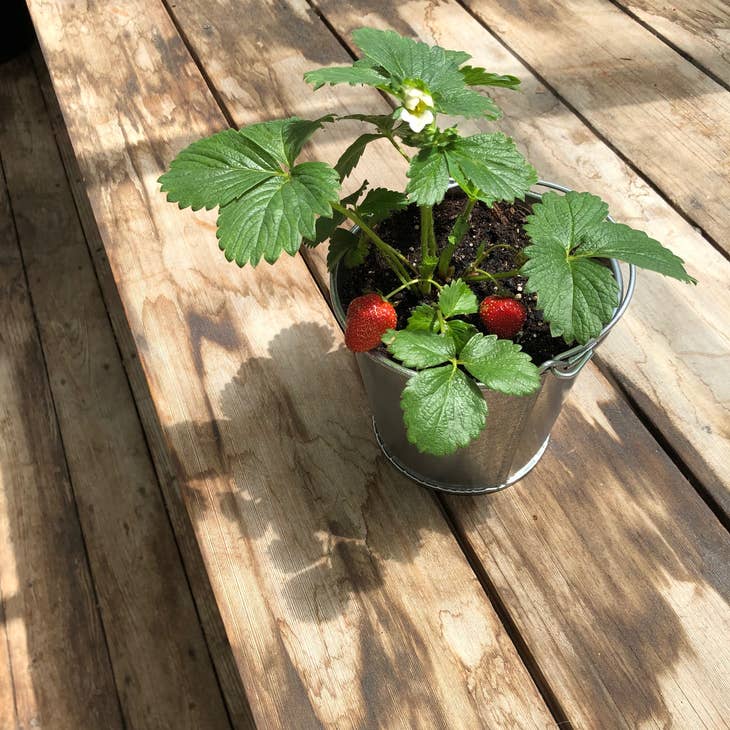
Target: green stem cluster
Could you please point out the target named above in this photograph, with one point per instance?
(481, 275)
(429, 255)
(423, 276)
(396, 260)
(460, 229)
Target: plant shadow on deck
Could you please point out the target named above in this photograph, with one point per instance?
(317, 500)
(335, 549)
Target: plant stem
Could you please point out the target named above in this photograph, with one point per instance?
(460, 229)
(396, 260)
(428, 248)
(481, 255)
(411, 283)
(482, 275)
(399, 148)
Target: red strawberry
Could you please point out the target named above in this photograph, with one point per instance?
(502, 316)
(368, 318)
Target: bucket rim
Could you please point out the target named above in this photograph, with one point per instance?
(565, 365)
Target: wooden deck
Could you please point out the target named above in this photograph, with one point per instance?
(196, 527)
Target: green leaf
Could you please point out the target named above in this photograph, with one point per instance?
(347, 247)
(618, 241)
(216, 170)
(423, 317)
(577, 296)
(457, 57)
(577, 293)
(380, 203)
(419, 349)
(326, 226)
(457, 298)
(565, 218)
(355, 74)
(466, 103)
(460, 332)
(297, 133)
(429, 177)
(477, 76)
(492, 164)
(500, 365)
(386, 124)
(407, 60)
(282, 139)
(443, 410)
(275, 215)
(351, 156)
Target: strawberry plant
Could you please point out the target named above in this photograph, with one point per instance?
(271, 202)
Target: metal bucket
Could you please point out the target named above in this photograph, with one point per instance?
(518, 427)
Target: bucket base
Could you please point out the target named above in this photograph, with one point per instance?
(456, 488)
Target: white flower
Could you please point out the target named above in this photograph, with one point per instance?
(413, 98)
(417, 121)
(417, 109)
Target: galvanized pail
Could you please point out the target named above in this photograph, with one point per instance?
(517, 430)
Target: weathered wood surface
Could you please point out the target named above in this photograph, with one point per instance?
(615, 573)
(54, 661)
(8, 712)
(699, 28)
(215, 635)
(658, 109)
(161, 664)
(671, 351)
(593, 676)
(327, 566)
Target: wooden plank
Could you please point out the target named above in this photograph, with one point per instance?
(595, 677)
(218, 645)
(660, 111)
(699, 28)
(52, 633)
(672, 349)
(161, 663)
(328, 567)
(8, 712)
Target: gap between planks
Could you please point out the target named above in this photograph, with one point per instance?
(686, 55)
(599, 134)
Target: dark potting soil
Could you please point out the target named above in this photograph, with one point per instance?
(502, 223)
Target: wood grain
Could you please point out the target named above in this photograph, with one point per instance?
(53, 646)
(8, 711)
(699, 28)
(671, 350)
(327, 567)
(615, 573)
(215, 634)
(593, 656)
(658, 109)
(161, 664)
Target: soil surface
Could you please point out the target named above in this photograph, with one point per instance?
(502, 223)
